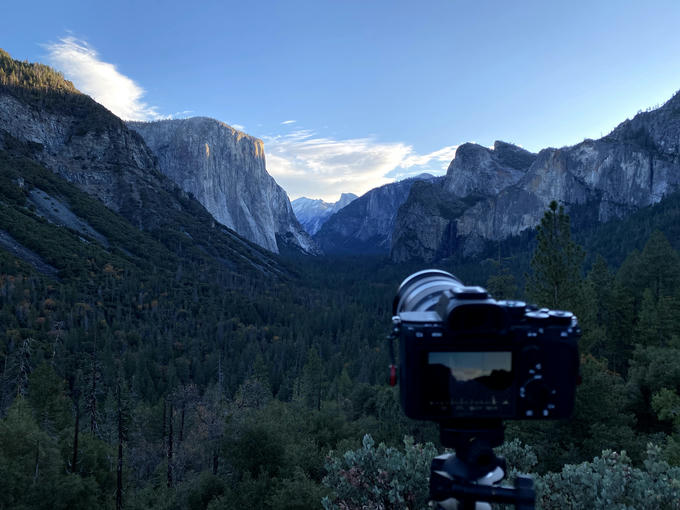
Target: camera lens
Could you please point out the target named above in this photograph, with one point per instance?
(420, 291)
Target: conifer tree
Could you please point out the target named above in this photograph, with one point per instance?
(312, 379)
(556, 278)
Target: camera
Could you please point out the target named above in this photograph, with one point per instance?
(466, 356)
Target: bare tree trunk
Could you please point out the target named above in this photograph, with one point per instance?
(165, 417)
(92, 397)
(181, 424)
(74, 461)
(37, 462)
(119, 470)
(170, 449)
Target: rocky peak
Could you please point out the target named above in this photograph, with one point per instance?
(225, 170)
(635, 166)
(367, 223)
(512, 155)
(345, 199)
(479, 170)
(313, 213)
(657, 130)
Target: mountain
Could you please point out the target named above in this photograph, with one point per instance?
(425, 227)
(507, 190)
(480, 170)
(313, 213)
(46, 121)
(366, 224)
(225, 170)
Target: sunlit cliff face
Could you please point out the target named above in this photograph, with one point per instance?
(225, 170)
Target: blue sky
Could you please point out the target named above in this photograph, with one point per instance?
(348, 95)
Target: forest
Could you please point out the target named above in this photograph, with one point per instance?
(181, 367)
(147, 374)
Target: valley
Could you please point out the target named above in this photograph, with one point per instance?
(172, 335)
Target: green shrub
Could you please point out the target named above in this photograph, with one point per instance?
(382, 477)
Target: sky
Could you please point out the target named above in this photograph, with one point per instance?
(349, 95)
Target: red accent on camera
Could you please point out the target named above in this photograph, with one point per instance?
(393, 375)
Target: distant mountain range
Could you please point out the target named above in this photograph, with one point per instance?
(491, 194)
(196, 176)
(313, 213)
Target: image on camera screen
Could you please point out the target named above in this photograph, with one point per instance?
(470, 383)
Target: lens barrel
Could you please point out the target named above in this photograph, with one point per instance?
(420, 292)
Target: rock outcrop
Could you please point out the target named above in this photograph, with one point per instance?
(44, 118)
(480, 170)
(92, 149)
(366, 225)
(313, 213)
(508, 190)
(225, 170)
(425, 227)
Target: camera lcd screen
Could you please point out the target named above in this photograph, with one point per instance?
(469, 384)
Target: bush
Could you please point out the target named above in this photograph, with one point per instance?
(382, 477)
(611, 482)
(385, 477)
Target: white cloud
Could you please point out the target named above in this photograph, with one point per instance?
(318, 167)
(289, 122)
(238, 126)
(101, 80)
(443, 155)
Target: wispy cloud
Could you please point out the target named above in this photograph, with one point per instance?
(289, 122)
(238, 126)
(305, 164)
(81, 64)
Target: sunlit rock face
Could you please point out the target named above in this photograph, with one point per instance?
(225, 170)
(507, 190)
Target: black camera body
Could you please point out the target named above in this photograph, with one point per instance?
(464, 355)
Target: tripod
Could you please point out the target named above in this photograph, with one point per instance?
(464, 480)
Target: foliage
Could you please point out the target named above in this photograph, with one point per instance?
(612, 482)
(367, 478)
(240, 370)
(379, 477)
(556, 265)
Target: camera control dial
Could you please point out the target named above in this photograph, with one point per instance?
(537, 397)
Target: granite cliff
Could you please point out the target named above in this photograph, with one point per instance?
(507, 190)
(45, 119)
(366, 225)
(89, 146)
(225, 170)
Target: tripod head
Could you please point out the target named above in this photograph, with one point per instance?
(462, 479)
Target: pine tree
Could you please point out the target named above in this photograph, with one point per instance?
(556, 278)
(312, 379)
